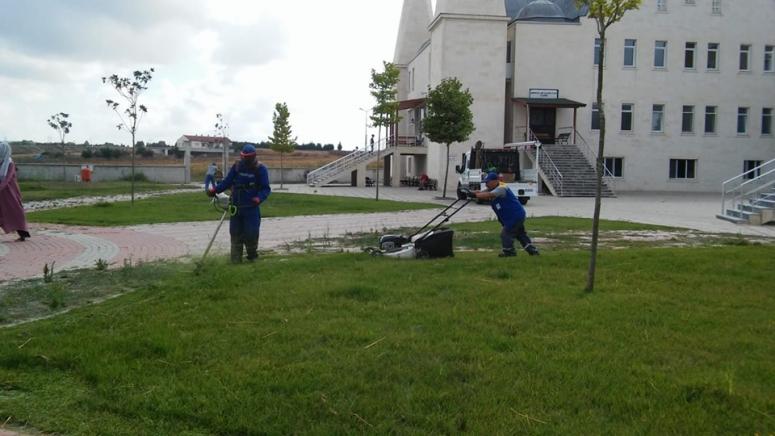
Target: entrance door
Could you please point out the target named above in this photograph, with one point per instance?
(542, 123)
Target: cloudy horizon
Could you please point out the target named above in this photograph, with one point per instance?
(235, 57)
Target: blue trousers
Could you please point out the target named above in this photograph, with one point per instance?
(244, 228)
(508, 234)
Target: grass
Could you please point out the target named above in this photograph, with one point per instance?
(673, 341)
(195, 206)
(39, 191)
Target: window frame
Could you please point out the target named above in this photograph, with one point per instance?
(612, 169)
(693, 58)
(631, 118)
(690, 120)
(634, 49)
(766, 121)
(769, 56)
(663, 49)
(715, 52)
(714, 114)
(595, 117)
(745, 49)
(743, 114)
(661, 117)
(679, 169)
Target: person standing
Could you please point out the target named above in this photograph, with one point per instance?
(12, 217)
(372, 143)
(248, 180)
(510, 213)
(212, 170)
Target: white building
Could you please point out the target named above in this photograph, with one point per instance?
(198, 144)
(689, 87)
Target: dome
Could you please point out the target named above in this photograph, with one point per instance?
(538, 9)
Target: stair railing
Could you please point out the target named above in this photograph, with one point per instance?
(545, 164)
(746, 186)
(591, 157)
(336, 167)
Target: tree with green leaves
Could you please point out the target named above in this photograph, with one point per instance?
(384, 89)
(62, 125)
(129, 89)
(281, 140)
(449, 116)
(605, 13)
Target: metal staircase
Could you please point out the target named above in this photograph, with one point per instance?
(749, 198)
(568, 169)
(332, 170)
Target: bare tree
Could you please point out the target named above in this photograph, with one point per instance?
(130, 89)
(60, 123)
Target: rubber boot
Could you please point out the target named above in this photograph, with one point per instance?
(532, 250)
(251, 247)
(508, 253)
(236, 251)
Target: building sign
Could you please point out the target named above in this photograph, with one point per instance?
(544, 93)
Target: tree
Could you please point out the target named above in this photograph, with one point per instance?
(129, 89)
(281, 140)
(60, 123)
(605, 13)
(384, 88)
(339, 147)
(449, 116)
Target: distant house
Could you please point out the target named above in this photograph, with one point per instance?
(202, 145)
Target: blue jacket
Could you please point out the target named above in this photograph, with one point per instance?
(508, 209)
(246, 184)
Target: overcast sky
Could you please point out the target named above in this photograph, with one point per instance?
(236, 57)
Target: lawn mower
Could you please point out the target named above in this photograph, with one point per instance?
(221, 202)
(423, 243)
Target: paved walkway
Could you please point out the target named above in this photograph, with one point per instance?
(79, 247)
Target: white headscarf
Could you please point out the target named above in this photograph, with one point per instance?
(5, 159)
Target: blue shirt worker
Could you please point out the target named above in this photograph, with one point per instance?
(248, 180)
(212, 170)
(510, 213)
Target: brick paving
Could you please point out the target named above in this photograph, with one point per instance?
(80, 247)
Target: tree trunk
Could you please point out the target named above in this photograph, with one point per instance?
(281, 171)
(64, 160)
(133, 169)
(379, 140)
(446, 174)
(599, 166)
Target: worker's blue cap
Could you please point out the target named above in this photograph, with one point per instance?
(248, 151)
(490, 177)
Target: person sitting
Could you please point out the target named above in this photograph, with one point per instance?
(424, 179)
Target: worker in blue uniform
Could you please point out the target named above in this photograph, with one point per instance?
(248, 180)
(510, 213)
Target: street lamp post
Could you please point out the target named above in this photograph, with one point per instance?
(365, 127)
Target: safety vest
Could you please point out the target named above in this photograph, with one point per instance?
(508, 209)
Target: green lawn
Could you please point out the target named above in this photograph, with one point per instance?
(195, 206)
(674, 341)
(37, 190)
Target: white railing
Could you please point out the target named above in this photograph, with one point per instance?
(747, 186)
(329, 171)
(544, 163)
(591, 156)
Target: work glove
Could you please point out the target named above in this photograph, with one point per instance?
(256, 201)
(211, 192)
(469, 193)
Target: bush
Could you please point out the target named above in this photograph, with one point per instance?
(87, 154)
(139, 177)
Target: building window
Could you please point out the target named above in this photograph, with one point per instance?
(657, 117)
(595, 117)
(660, 54)
(597, 51)
(716, 7)
(742, 120)
(508, 52)
(710, 119)
(689, 2)
(713, 55)
(627, 117)
(614, 166)
(751, 165)
(768, 53)
(682, 168)
(629, 52)
(691, 47)
(745, 52)
(687, 120)
(662, 5)
(767, 121)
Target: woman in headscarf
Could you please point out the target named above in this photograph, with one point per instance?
(11, 211)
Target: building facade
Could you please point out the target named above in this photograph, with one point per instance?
(689, 84)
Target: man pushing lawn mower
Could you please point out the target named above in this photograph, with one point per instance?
(510, 213)
(249, 183)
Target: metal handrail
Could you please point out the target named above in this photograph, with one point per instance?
(336, 167)
(591, 157)
(756, 177)
(553, 174)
